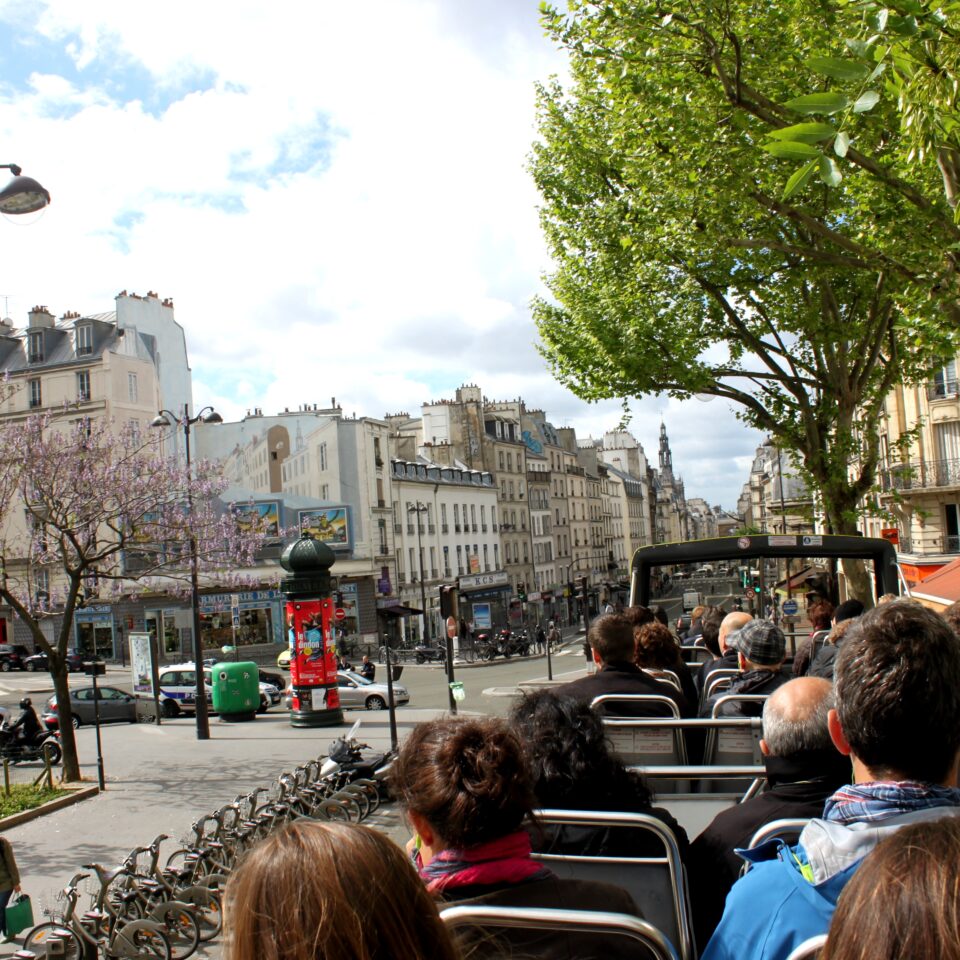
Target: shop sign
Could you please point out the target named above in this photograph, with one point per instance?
(480, 580)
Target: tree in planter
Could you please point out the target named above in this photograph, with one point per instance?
(685, 263)
(85, 509)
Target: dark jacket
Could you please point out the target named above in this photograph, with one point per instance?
(823, 662)
(728, 661)
(798, 788)
(9, 874)
(618, 677)
(368, 670)
(807, 651)
(751, 682)
(28, 724)
(483, 944)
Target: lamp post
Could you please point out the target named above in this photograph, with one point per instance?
(165, 418)
(22, 194)
(419, 508)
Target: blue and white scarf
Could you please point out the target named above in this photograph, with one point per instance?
(873, 802)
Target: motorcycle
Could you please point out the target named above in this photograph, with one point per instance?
(424, 654)
(16, 750)
(345, 756)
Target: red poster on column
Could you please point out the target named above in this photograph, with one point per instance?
(313, 662)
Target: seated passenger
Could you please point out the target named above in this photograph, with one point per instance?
(613, 647)
(330, 891)
(898, 719)
(761, 650)
(574, 769)
(904, 900)
(826, 659)
(803, 769)
(820, 615)
(657, 650)
(467, 791)
(729, 630)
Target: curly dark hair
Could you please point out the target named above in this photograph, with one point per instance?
(820, 614)
(467, 777)
(572, 765)
(656, 648)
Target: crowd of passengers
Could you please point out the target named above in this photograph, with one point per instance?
(867, 747)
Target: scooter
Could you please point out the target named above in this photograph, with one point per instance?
(21, 751)
(424, 654)
(345, 756)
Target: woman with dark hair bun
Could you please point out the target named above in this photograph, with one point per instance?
(468, 793)
(574, 769)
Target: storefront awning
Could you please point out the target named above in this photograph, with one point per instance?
(398, 611)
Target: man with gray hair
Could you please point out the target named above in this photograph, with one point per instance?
(730, 627)
(803, 770)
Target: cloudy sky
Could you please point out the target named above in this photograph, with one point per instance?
(333, 194)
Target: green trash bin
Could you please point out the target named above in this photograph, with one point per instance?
(236, 690)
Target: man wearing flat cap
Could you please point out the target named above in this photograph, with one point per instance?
(761, 650)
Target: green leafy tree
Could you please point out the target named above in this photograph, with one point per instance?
(688, 262)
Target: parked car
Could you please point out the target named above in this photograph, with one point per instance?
(277, 680)
(115, 704)
(12, 656)
(284, 658)
(178, 690)
(38, 662)
(355, 692)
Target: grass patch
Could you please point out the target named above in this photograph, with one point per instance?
(24, 797)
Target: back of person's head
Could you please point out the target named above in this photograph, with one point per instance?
(762, 645)
(569, 757)
(660, 614)
(839, 631)
(820, 614)
(795, 717)
(697, 612)
(904, 899)
(952, 615)
(711, 635)
(330, 891)
(611, 637)
(848, 610)
(639, 615)
(731, 625)
(898, 692)
(886, 598)
(656, 648)
(467, 777)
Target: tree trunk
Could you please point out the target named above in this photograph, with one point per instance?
(68, 740)
(859, 583)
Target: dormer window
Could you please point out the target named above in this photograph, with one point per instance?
(35, 346)
(84, 339)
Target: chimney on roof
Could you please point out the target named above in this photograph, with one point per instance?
(40, 317)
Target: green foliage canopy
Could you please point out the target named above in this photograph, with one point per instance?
(715, 231)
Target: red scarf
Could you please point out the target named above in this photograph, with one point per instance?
(499, 862)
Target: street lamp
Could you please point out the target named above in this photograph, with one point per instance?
(21, 194)
(419, 508)
(165, 418)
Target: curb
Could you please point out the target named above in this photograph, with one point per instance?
(25, 816)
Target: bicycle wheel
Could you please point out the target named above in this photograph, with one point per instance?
(181, 926)
(207, 908)
(37, 939)
(141, 938)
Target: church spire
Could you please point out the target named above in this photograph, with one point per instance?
(666, 458)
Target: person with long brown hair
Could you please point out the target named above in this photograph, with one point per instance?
(468, 792)
(904, 901)
(331, 891)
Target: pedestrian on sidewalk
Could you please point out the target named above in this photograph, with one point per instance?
(541, 638)
(553, 636)
(9, 883)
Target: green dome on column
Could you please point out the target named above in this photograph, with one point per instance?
(307, 556)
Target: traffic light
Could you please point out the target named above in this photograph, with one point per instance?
(581, 587)
(522, 592)
(756, 583)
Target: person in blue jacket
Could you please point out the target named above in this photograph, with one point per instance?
(898, 720)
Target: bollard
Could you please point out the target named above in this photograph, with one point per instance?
(6, 777)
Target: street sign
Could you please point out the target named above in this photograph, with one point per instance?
(789, 608)
(339, 613)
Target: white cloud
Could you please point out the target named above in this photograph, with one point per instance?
(334, 195)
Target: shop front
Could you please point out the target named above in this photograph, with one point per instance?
(94, 632)
(485, 600)
(251, 618)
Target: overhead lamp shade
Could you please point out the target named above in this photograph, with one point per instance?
(23, 195)
(213, 417)
(160, 421)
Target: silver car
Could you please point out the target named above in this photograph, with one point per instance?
(355, 692)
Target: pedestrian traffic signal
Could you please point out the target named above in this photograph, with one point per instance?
(756, 584)
(522, 592)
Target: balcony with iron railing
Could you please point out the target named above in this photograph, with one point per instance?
(920, 475)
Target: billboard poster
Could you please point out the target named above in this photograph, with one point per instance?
(314, 661)
(329, 524)
(482, 619)
(263, 517)
(140, 664)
